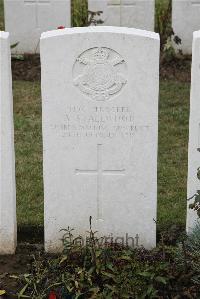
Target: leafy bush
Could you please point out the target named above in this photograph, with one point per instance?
(188, 255)
(196, 204)
(82, 17)
(94, 17)
(113, 271)
(168, 40)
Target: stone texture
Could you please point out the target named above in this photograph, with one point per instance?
(8, 226)
(27, 19)
(100, 114)
(128, 13)
(194, 131)
(185, 20)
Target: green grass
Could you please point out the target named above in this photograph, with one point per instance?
(172, 170)
(1, 15)
(79, 13)
(28, 146)
(172, 162)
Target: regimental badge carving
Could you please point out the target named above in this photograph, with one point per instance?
(100, 73)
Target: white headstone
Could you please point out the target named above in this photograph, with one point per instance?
(128, 13)
(8, 226)
(194, 131)
(100, 114)
(185, 20)
(27, 19)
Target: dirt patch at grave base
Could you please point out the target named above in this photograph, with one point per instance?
(28, 68)
(30, 242)
(176, 69)
(13, 265)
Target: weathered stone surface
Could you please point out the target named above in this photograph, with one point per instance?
(8, 225)
(194, 131)
(27, 19)
(100, 114)
(128, 13)
(185, 20)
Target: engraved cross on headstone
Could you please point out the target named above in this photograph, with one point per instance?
(99, 172)
(36, 3)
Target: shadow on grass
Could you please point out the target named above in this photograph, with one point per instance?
(30, 234)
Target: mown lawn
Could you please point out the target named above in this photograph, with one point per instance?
(172, 156)
(28, 146)
(172, 166)
(1, 15)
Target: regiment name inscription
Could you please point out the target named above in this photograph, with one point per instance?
(98, 121)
